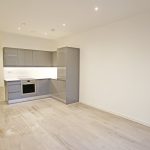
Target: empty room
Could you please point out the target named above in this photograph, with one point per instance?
(74, 74)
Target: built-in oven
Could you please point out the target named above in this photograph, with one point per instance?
(28, 86)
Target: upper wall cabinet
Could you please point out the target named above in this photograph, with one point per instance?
(25, 58)
(10, 57)
(61, 57)
(42, 58)
(14, 57)
(54, 58)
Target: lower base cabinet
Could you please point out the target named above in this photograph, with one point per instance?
(58, 89)
(43, 87)
(14, 90)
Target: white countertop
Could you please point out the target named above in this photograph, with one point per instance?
(19, 79)
(11, 79)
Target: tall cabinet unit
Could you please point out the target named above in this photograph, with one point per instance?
(66, 88)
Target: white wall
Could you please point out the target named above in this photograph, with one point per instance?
(20, 41)
(27, 42)
(115, 67)
(2, 97)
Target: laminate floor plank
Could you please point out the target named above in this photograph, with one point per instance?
(48, 124)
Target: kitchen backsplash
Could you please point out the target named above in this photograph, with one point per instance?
(30, 72)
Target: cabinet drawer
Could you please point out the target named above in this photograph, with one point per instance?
(13, 96)
(14, 88)
(14, 83)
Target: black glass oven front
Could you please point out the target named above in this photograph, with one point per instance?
(28, 88)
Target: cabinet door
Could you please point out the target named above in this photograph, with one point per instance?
(13, 90)
(54, 59)
(21, 58)
(43, 87)
(61, 57)
(42, 58)
(58, 89)
(13, 96)
(28, 54)
(10, 57)
(36, 56)
(47, 58)
(25, 58)
(53, 88)
(61, 90)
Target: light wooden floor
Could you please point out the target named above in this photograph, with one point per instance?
(50, 125)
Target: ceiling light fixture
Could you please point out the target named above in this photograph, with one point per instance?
(96, 8)
(19, 28)
(23, 24)
(64, 25)
(45, 33)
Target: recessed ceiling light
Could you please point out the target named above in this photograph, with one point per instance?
(45, 33)
(63, 24)
(96, 8)
(19, 28)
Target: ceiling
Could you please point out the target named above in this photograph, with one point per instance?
(44, 18)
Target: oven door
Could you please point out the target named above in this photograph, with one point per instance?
(28, 88)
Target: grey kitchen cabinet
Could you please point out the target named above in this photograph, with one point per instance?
(72, 74)
(61, 84)
(13, 90)
(10, 56)
(20, 58)
(66, 87)
(61, 57)
(42, 58)
(25, 58)
(54, 58)
(58, 89)
(16, 57)
(14, 95)
(28, 55)
(42, 87)
(53, 88)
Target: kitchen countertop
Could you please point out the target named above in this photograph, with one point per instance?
(14, 79)
(17, 79)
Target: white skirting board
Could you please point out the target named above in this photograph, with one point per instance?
(28, 99)
(120, 115)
